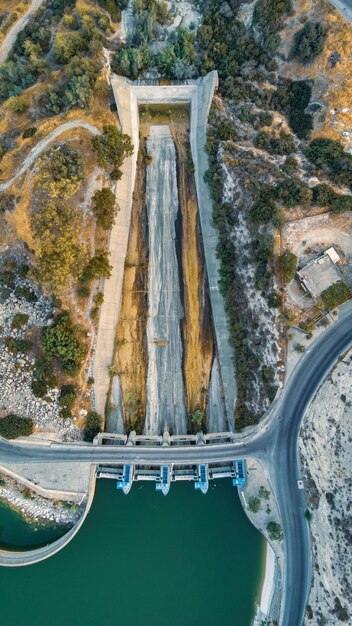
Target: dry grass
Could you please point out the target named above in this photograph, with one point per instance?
(332, 85)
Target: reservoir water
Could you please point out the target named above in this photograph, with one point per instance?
(144, 560)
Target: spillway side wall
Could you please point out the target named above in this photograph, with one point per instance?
(200, 105)
(127, 107)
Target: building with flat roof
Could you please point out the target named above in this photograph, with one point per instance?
(321, 273)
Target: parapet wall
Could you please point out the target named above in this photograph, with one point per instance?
(199, 94)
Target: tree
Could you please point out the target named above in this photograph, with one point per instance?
(60, 254)
(93, 425)
(78, 93)
(98, 266)
(275, 531)
(264, 209)
(105, 208)
(293, 192)
(61, 340)
(61, 171)
(254, 504)
(12, 426)
(309, 41)
(323, 152)
(287, 263)
(112, 147)
(335, 295)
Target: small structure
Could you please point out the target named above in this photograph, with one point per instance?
(202, 483)
(240, 474)
(163, 480)
(320, 274)
(127, 478)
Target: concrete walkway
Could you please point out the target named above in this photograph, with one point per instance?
(109, 312)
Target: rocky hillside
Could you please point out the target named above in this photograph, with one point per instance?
(325, 445)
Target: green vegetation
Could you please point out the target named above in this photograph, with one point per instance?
(254, 504)
(264, 493)
(309, 41)
(43, 377)
(114, 8)
(281, 144)
(18, 346)
(67, 398)
(98, 266)
(268, 16)
(292, 99)
(197, 419)
(19, 320)
(329, 155)
(293, 192)
(26, 293)
(275, 531)
(105, 208)
(12, 426)
(287, 264)
(112, 147)
(324, 195)
(264, 209)
(335, 295)
(93, 425)
(60, 253)
(61, 340)
(61, 171)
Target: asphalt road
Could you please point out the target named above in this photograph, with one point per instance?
(344, 7)
(274, 442)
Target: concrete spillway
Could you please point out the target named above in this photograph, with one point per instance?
(165, 387)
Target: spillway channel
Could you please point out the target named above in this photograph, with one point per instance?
(166, 408)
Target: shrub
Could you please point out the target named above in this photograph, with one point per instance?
(335, 295)
(29, 132)
(293, 192)
(60, 253)
(18, 104)
(98, 298)
(275, 531)
(18, 346)
(19, 320)
(112, 147)
(7, 202)
(264, 209)
(83, 291)
(104, 207)
(93, 425)
(12, 426)
(254, 504)
(329, 155)
(61, 341)
(293, 99)
(67, 396)
(290, 165)
(268, 16)
(61, 171)
(98, 266)
(309, 41)
(287, 263)
(26, 293)
(281, 144)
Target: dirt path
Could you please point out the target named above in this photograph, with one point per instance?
(10, 38)
(42, 145)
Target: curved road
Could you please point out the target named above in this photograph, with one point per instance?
(42, 145)
(10, 38)
(274, 443)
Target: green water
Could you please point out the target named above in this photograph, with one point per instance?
(145, 560)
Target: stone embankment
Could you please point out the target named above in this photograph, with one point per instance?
(16, 370)
(325, 446)
(35, 508)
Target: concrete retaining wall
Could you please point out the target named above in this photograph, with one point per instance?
(17, 559)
